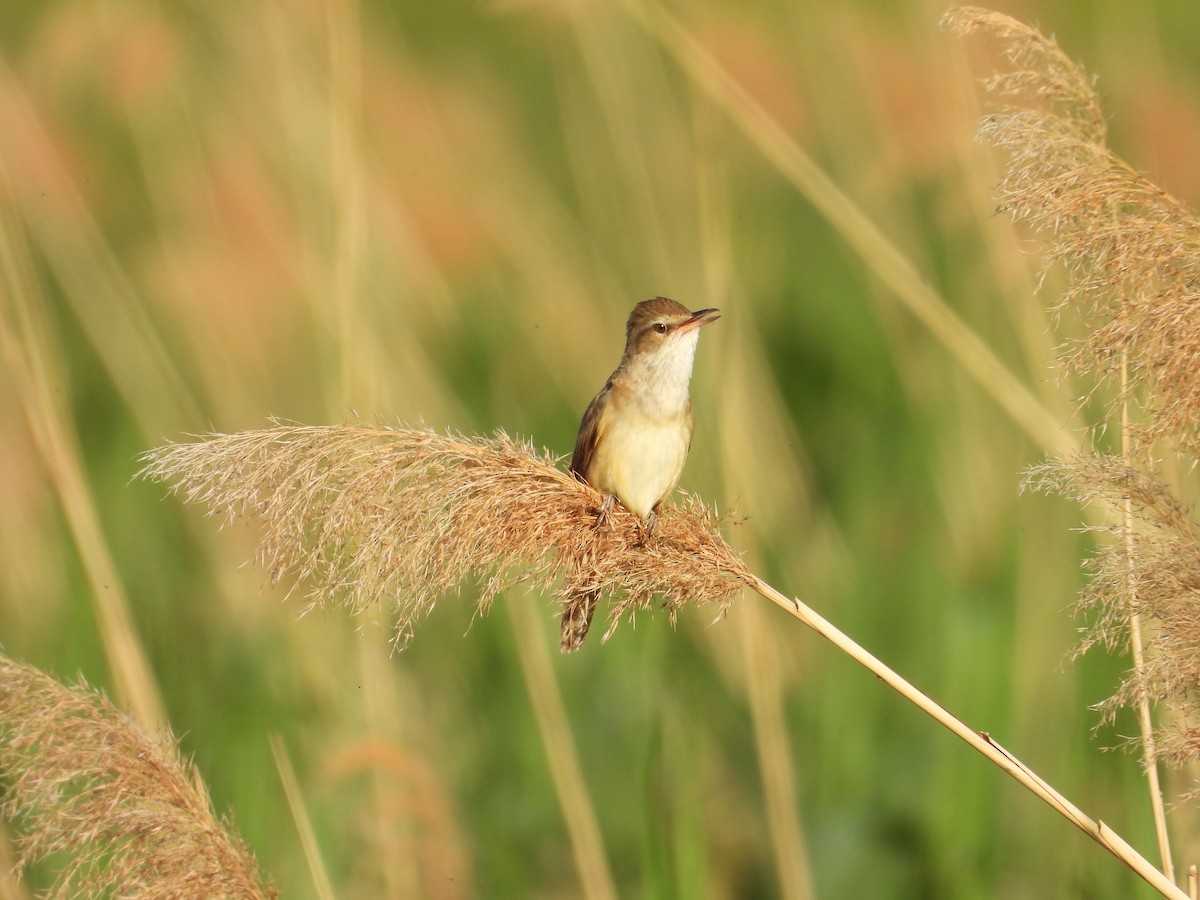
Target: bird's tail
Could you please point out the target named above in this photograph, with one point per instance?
(577, 619)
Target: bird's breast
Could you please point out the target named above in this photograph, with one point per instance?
(640, 457)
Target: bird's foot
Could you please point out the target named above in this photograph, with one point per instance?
(646, 529)
(605, 508)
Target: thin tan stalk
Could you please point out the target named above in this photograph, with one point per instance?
(317, 872)
(979, 740)
(101, 295)
(10, 885)
(587, 844)
(1145, 720)
(1193, 883)
(776, 760)
(30, 362)
(346, 171)
(882, 256)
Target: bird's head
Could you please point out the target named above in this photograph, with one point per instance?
(659, 325)
(660, 348)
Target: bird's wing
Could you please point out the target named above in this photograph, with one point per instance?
(591, 431)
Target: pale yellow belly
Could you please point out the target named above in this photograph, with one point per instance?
(640, 462)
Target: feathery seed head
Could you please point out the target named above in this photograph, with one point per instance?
(366, 515)
(116, 810)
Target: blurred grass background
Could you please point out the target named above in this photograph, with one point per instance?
(441, 214)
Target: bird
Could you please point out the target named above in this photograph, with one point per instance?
(636, 433)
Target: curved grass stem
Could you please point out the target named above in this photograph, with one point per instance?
(979, 740)
(905, 282)
(1136, 646)
(587, 842)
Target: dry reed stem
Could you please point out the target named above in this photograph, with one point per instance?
(11, 887)
(776, 759)
(906, 282)
(86, 265)
(317, 873)
(118, 810)
(980, 741)
(364, 513)
(562, 758)
(1137, 649)
(33, 367)
(1132, 256)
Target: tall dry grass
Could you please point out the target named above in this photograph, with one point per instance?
(111, 808)
(1131, 254)
(305, 209)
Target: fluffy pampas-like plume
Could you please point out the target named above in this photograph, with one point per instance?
(369, 514)
(116, 811)
(1131, 253)
(1150, 568)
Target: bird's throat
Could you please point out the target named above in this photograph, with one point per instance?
(658, 381)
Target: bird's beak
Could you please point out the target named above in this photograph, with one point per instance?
(698, 318)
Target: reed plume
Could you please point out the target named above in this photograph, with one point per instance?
(364, 514)
(114, 809)
(1130, 250)
(1131, 255)
(1158, 550)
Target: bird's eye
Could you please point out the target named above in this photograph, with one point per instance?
(660, 327)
